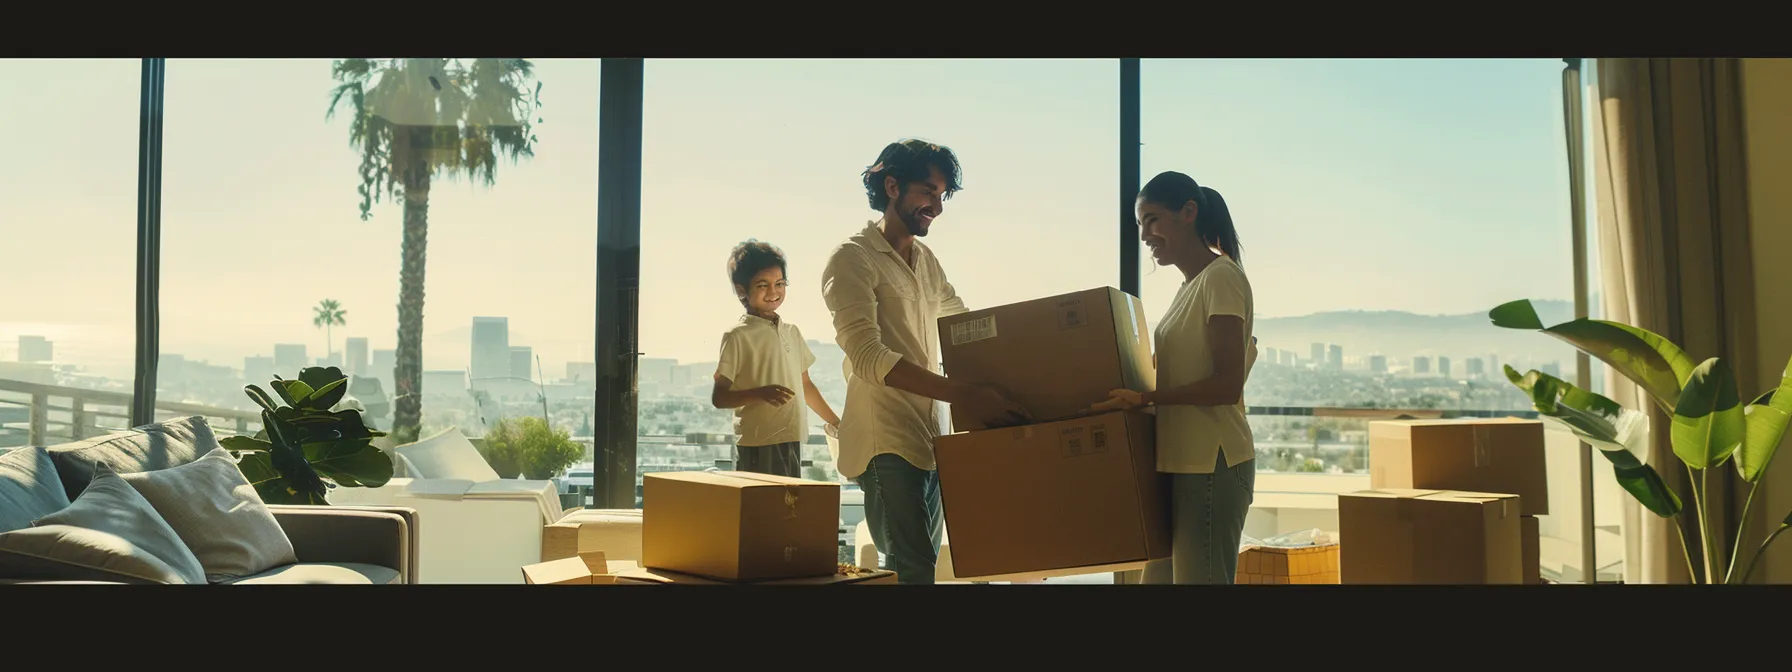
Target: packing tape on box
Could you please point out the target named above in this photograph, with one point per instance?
(790, 497)
(1483, 438)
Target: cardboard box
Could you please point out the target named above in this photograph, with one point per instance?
(739, 526)
(588, 568)
(1276, 565)
(1071, 497)
(1399, 536)
(1473, 455)
(1531, 537)
(661, 577)
(1055, 356)
(616, 532)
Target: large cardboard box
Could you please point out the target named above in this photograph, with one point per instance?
(587, 568)
(1401, 536)
(1532, 540)
(1474, 455)
(660, 577)
(738, 526)
(1055, 356)
(1277, 565)
(1077, 496)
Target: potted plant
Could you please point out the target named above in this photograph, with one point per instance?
(500, 452)
(539, 451)
(309, 444)
(1710, 425)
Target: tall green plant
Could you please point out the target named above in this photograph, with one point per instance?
(307, 446)
(1711, 426)
(416, 119)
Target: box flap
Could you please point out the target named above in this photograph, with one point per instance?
(1392, 493)
(737, 479)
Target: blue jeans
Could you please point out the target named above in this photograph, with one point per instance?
(902, 508)
(1207, 513)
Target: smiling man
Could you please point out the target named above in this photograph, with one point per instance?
(887, 292)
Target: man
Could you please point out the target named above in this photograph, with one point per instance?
(887, 292)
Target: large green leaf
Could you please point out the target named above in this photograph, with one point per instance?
(1766, 420)
(1708, 425)
(256, 468)
(328, 385)
(1646, 358)
(350, 463)
(260, 397)
(244, 444)
(1620, 434)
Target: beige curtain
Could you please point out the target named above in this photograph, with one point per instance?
(1672, 209)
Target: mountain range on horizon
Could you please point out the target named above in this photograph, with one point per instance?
(1400, 335)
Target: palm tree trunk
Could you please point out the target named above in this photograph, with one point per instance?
(407, 376)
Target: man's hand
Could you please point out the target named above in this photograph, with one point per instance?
(1120, 400)
(776, 395)
(993, 408)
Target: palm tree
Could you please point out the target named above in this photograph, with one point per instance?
(329, 313)
(414, 119)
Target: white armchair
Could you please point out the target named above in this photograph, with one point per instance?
(473, 526)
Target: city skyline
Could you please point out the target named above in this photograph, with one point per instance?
(1331, 170)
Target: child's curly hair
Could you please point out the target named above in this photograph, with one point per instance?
(748, 259)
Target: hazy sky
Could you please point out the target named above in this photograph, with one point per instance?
(1431, 186)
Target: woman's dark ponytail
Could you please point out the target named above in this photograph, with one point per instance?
(1213, 221)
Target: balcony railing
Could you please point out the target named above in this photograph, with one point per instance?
(55, 414)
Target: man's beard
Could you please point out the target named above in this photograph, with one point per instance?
(912, 220)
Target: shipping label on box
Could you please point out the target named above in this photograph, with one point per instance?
(1474, 455)
(1061, 498)
(1406, 536)
(739, 526)
(1056, 356)
(1303, 565)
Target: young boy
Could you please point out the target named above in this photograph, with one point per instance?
(763, 359)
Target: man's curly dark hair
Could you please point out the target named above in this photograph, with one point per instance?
(748, 259)
(908, 161)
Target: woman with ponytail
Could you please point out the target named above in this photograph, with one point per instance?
(1204, 354)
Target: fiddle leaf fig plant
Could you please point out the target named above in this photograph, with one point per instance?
(1710, 424)
(308, 444)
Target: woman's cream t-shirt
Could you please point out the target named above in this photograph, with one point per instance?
(1190, 438)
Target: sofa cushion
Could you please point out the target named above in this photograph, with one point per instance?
(322, 572)
(147, 448)
(142, 540)
(218, 515)
(29, 488)
(63, 553)
(448, 454)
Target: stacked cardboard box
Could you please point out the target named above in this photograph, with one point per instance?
(1450, 500)
(1288, 565)
(739, 527)
(1077, 492)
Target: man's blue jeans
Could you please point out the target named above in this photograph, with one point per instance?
(902, 508)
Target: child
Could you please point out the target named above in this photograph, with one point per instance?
(763, 358)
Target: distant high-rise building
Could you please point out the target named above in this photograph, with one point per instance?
(1475, 368)
(1270, 356)
(36, 349)
(1443, 366)
(491, 347)
(1336, 358)
(522, 362)
(289, 358)
(355, 352)
(1421, 365)
(1553, 369)
(258, 369)
(384, 361)
(1318, 355)
(1493, 367)
(1378, 364)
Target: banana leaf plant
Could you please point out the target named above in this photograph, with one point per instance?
(307, 445)
(1711, 425)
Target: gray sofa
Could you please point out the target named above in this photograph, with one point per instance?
(334, 544)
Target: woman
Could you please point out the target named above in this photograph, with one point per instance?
(1204, 353)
